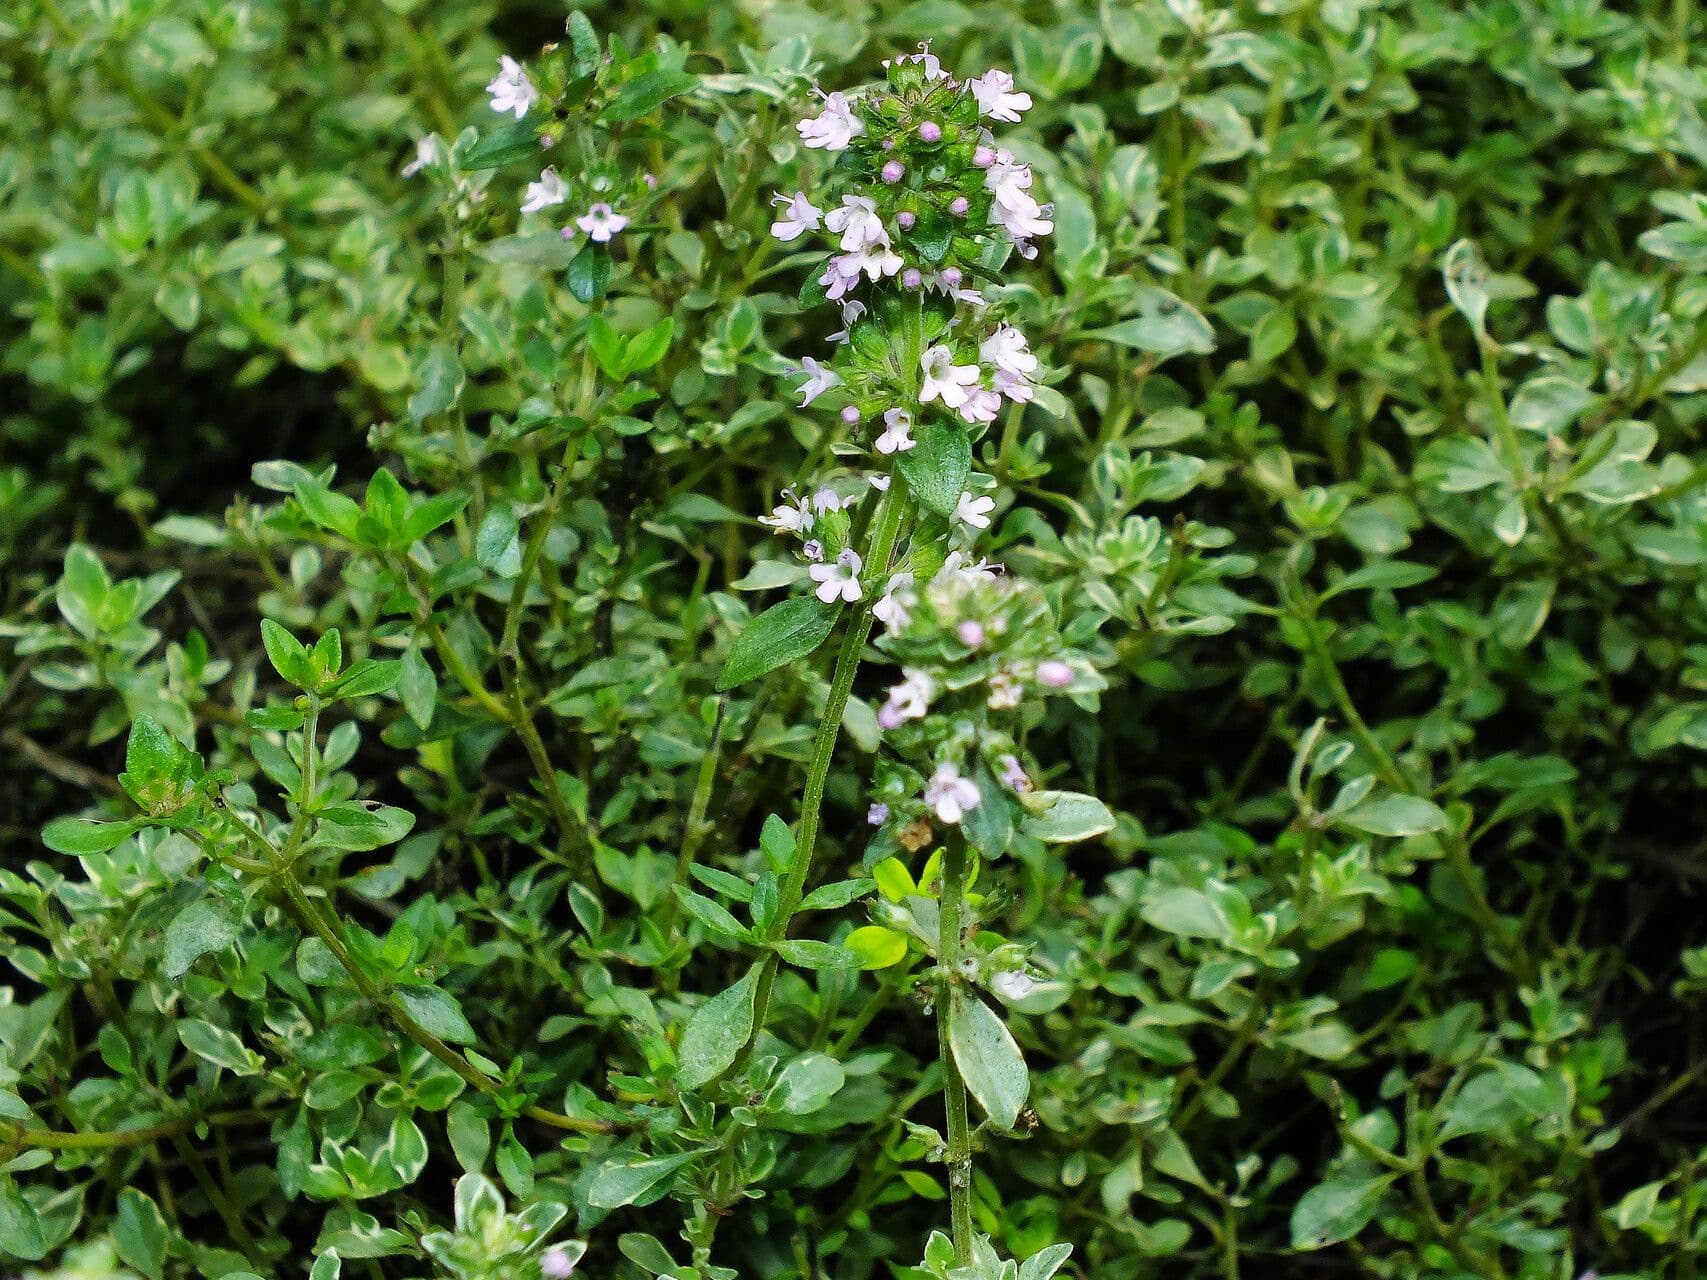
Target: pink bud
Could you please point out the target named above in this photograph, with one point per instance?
(905, 219)
(911, 279)
(892, 172)
(984, 157)
(971, 633)
(850, 415)
(959, 205)
(1055, 673)
(952, 277)
(888, 716)
(930, 131)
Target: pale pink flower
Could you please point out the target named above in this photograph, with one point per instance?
(601, 222)
(799, 215)
(951, 795)
(840, 578)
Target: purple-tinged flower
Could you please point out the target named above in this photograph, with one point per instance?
(982, 405)
(651, 181)
(511, 90)
(858, 224)
(827, 499)
(852, 310)
(1013, 773)
(1055, 673)
(908, 700)
(799, 216)
(813, 550)
(951, 795)
(930, 131)
(834, 127)
(971, 633)
(601, 222)
(897, 432)
(819, 379)
(1012, 984)
(878, 814)
(839, 580)
(996, 98)
(893, 172)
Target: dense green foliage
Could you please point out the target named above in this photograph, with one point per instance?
(398, 843)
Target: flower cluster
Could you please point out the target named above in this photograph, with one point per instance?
(920, 209)
(979, 649)
(593, 198)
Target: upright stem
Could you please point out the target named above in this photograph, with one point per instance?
(951, 902)
(885, 533)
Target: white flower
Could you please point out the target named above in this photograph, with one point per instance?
(1006, 349)
(549, 190)
(1012, 984)
(1005, 692)
(789, 517)
(957, 566)
(557, 1264)
(601, 223)
(511, 90)
(852, 310)
(834, 128)
(1014, 209)
(971, 297)
(994, 91)
(880, 483)
(932, 64)
(974, 511)
(944, 378)
(981, 405)
(839, 580)
(812, 549)
(426, 153)
(895, 609)
(876, 260)
(799, 216)
(857, 223)
(950, 794)
(897, 432)
(827, 499)
(908, 700)
(818, 380)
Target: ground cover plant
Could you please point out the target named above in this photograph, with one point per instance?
(964, 640)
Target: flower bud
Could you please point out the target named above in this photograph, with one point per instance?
(850, 415)
(930, 131)
(905, 219)
(893, 172)
(959, 205)
(1055, 673)
(911, 279)
(971, 633)
(984, 157)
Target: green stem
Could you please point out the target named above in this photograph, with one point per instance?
(693, 835)
(951, 904)
(885, 533)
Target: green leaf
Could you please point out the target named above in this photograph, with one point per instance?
(79, 837)
(418, 687)
(497, 545)
(783, 633)
(360, 827)
(808, 954)
(139, 1232)
(1069, 816)
(1337, 1210)
(1166, 325)
(647, 92)
(437, 1012)
(876, 947)
(648, 346)
(620, 1184)
(514, 140)
(589, 272)
(287, 654)
(937, 466)
(206, 926)
(715, 1033)
(989, 1059)
(220, 1047)
(438, 381)
(1396, 815)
